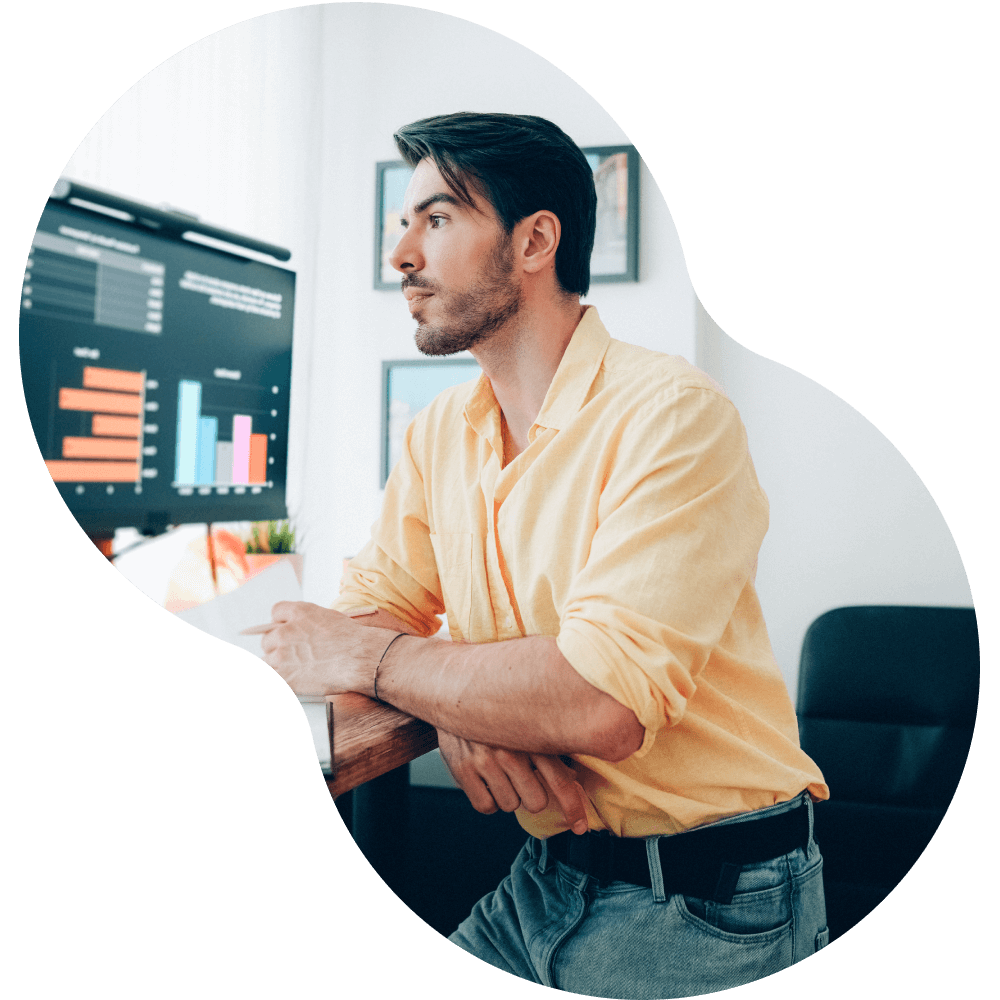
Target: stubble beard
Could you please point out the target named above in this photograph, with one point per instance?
(477, 313)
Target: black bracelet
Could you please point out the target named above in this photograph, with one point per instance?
(379, 664)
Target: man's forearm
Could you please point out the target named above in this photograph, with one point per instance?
(521, 694)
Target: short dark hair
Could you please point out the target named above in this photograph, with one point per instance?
(522, 164)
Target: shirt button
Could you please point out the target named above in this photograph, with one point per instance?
(510, 621)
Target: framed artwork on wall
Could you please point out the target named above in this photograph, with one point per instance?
(407, 387)
(391, 178)
(616, 242)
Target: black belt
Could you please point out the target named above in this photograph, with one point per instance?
(702, 863)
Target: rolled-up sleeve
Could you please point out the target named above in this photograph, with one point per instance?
(680, 522)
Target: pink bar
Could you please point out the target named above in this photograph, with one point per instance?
(241, 449)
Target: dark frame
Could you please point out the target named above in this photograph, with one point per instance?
(387, 367)
(631, 266)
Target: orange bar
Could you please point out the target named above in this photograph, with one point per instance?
(81, 447)
(258, 458)
(114, 426)
(93, 472)
(111, 378)
(102, 402)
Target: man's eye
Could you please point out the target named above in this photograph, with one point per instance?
(437, 221)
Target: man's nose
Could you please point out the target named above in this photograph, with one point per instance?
(406, 257)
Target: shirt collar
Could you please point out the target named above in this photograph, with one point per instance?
(569, 387)
(577, 370)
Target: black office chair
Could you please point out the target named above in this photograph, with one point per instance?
(886, 703)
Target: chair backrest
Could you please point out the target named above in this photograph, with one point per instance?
(886, 703)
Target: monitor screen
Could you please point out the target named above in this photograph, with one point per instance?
(156, 373)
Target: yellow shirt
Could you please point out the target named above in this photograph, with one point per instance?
(629, 530)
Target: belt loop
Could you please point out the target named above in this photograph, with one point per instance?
(809, 806)
(543, 855)
(725, 886)
(655, 869)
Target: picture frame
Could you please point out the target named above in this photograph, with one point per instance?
(616, 242)
(391, 178)
(408, 385)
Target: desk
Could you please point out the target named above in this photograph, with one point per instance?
(369, 746)
(368, 740)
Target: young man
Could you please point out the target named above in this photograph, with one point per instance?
(588, 517)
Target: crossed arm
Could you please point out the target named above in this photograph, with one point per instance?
(504, 711)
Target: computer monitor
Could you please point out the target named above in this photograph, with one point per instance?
(156, 369)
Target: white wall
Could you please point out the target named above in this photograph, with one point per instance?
(273, 127)
(851, 522)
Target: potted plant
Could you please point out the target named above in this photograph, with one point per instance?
(269, 542)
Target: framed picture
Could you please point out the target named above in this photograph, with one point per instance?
(407, 387)
(391, 179)
(616, 241)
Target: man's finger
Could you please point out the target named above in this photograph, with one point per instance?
(514, 771)
(282, 611)
(477, 793)
(530, 791)
(565, 789)
(500, 787)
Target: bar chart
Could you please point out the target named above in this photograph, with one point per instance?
(112, 451)
(218, 449)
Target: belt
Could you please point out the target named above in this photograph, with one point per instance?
(704, 863)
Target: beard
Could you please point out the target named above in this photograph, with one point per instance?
(474, 314)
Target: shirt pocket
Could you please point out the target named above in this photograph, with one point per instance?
(453, 555)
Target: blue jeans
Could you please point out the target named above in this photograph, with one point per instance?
(552, 924)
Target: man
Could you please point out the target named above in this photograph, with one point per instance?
(588, 518)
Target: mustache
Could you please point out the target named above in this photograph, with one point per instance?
(415, 281)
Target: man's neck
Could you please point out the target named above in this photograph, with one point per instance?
(521, 360)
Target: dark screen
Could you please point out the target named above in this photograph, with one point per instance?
(156, 374)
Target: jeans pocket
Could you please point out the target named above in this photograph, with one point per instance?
(750, 914)
(823, 938)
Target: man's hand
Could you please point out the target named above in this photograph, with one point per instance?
(494, 778)
(320, 651)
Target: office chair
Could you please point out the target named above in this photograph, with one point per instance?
(886, 703)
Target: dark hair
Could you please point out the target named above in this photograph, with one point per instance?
(521, 164)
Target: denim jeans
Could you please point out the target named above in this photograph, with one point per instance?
(552, 924)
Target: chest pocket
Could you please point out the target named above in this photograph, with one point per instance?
(453, 554)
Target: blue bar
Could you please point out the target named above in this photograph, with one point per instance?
(188, 414)
(208, 433)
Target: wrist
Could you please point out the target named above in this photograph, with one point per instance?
(380, 666)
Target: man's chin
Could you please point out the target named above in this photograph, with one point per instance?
(435, 342)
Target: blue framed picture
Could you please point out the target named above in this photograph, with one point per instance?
(407, 387)
(391, 179)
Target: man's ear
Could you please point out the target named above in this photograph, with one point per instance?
(539, 235)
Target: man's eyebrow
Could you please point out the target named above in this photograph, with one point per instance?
(440, 196)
